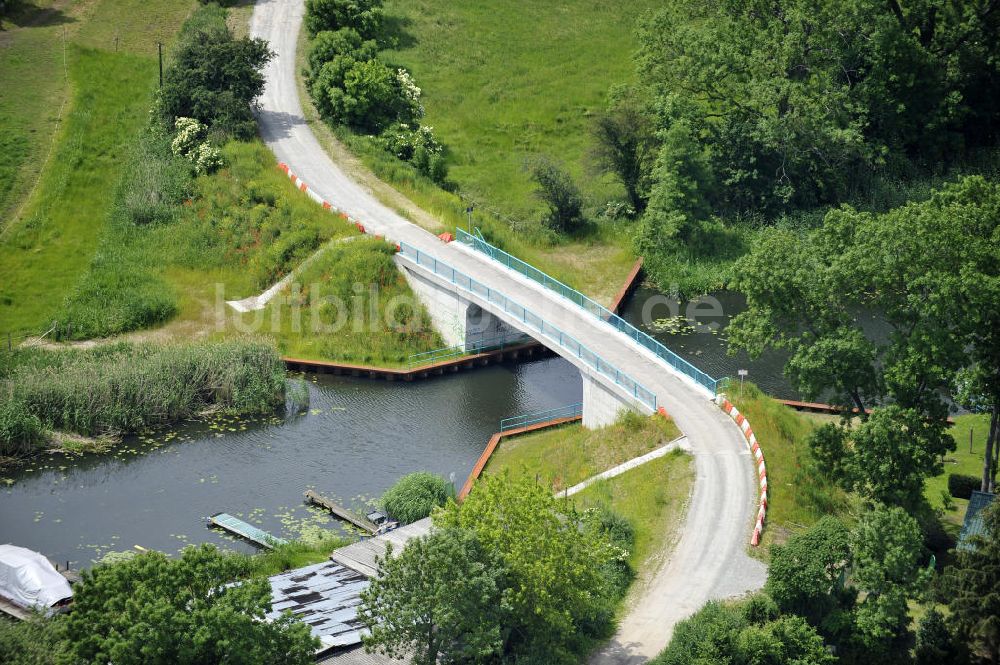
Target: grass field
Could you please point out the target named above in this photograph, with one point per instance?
(567, 455)
(46, 248)
(652, 498)
(504, 81)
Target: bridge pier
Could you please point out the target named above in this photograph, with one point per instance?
(458, 321)
(601, 407)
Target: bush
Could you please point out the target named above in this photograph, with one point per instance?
(363, 16)
(961, 486)
(20, 430)
(214, 78)
(558, 191)
(620, 532)
(414, 496)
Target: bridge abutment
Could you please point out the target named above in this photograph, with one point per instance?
(459, 322)
(601, 407)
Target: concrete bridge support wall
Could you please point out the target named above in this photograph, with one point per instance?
(460, 322)
(601, 406)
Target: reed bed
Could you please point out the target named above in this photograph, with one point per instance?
(124, 388)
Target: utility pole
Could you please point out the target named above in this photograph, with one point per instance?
(159, 48)
(469, 211)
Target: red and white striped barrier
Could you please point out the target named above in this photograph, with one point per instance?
(758, 455)
(318, 199)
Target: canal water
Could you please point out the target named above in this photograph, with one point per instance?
(357, 437)
(694, 340)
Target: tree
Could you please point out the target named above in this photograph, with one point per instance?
(215, 78)
(894, 451)
(936, 644)
(975, 589)
(806, 576)
(623, 145)
(798, 103)
(364, 16)
(152, 609)
(921, 267)
(414, 496)
(329, 44)
(828, 447)
(557, 596)
(730, 635)
(557, 190)
(437, 602)
(886, 547)
(36, 641)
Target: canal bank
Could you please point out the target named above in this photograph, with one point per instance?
(356, 438)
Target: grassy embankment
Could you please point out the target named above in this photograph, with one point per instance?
(503, 82)
(47, 246)
(119, 237)
(800, 496)
(651, 497)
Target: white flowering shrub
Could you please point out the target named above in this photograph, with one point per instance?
(417, 145)
(411, 93)
(206, 158)
(190, 143)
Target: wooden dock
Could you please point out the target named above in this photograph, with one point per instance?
(339, 512)
(360, 556)
(243, 530)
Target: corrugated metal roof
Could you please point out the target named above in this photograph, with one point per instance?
(973, 524)
(324, 596)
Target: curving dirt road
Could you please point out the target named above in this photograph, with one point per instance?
(710, 558)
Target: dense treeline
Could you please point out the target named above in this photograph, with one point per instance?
(840, 595)
(932, 271)
(123, 388)
(750, 112)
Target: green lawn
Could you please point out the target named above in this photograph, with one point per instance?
(556, 85)
(961, 462)
(652, 498)
(567, 455)
(46, 248)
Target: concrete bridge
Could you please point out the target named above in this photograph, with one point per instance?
(710, 559)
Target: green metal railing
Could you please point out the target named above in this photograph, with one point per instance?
(469, 348)
(527, 419)
(478, 243)
(529, 319)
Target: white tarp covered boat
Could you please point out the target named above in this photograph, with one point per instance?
(28, 580)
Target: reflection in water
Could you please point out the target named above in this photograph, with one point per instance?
(356, 439)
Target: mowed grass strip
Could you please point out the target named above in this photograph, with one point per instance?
(104, 54)
(46, 252)
(653, 498)
(964, 462)
(35, 84)
(564, 456)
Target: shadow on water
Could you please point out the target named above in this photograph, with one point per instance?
(355, 439)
